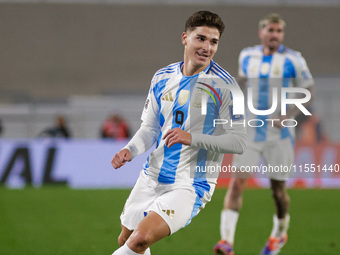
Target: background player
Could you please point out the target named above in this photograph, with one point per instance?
(262, 68)
(167, 195)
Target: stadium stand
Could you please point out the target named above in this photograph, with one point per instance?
(77, 58)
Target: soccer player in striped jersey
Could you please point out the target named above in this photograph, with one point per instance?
(263, 68)
(173, 185)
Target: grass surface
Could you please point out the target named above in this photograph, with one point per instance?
(65, 221)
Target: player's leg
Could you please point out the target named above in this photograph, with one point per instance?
(140, 198)
(278, 237)
(125, 250)
(124, 235)
(229, 216)
(232, 205)
(280, 154)
(150, 230)
(171, 210)
(282, 202)
(281, 198)
(233, 201)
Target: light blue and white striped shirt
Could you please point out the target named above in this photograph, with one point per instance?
(285, 68)
(175, 100)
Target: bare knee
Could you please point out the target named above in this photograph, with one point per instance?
(236, 188)
(124, 235)
(140, 240)
(237, 185)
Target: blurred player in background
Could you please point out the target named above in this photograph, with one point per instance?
(166, 196)
(262, 68)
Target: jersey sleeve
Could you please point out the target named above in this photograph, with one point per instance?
(151, 107)
(230, 137)
(143, 140)
(241, 71)
(303, 77)
(149, 130)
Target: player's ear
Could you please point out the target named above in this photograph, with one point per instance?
(184, 38)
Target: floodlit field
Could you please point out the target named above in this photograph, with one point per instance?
(64, 221)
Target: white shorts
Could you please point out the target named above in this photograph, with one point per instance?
(176, 204)
(278, 156)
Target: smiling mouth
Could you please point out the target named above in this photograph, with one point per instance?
(202, 55)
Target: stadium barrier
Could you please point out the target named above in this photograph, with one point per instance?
(76, 163)
(80, 163)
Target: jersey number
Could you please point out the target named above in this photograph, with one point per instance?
(179, 118)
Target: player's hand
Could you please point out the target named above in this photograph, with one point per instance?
(121, 158)
(177, 135)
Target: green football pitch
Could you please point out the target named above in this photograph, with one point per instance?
(65, 221)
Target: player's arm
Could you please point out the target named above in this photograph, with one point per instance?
(146, 135)
(241, 76)
(142, 141)
(293, 111)
(303, 79)
(228, 140)
(232, 141)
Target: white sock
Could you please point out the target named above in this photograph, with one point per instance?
(280, 226)
(229, 220)
(124, 250)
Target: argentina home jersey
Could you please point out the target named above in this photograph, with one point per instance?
(175, 100)
(285, 68)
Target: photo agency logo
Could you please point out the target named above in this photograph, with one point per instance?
(264, 103)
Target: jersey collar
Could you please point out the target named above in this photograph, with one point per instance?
(281, 49)
(206, 70)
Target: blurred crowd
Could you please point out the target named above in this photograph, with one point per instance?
(59, 129)
(115, 127)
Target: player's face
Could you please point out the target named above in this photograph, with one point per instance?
(200, 46)
(272, 35)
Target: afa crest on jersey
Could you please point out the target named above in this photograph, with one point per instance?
(183, 96)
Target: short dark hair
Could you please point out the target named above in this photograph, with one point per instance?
(204, 18)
